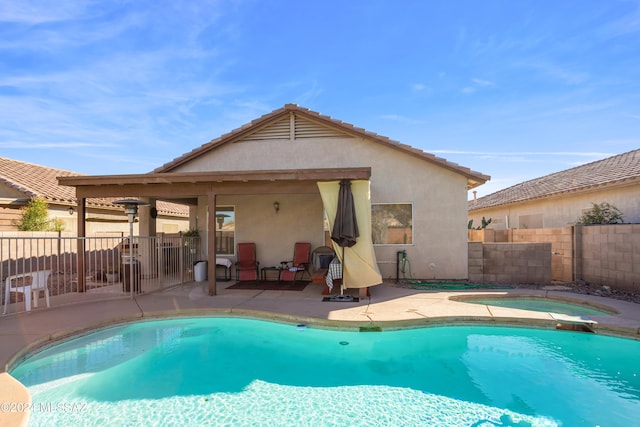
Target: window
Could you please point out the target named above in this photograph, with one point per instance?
(392, 223)
(225, 230)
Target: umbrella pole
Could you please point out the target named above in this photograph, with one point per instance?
(342, 266)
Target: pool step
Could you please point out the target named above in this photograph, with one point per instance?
(573, 323)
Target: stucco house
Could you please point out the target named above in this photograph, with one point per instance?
(274, 182)
(21, 182)
(560, 198)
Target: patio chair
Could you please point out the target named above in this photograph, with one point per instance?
(247, 265)
(299, 265)
(29, 284)
(321, 257)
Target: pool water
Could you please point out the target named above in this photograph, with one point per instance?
(540, 304)
(242, 372)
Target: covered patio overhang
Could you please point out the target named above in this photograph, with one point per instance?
(186, 187)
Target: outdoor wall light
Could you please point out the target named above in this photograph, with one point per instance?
(71, 210)
(276, 206)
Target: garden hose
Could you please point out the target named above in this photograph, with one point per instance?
(405, 266)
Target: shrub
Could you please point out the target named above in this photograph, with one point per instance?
(35, 217)
(603, 213)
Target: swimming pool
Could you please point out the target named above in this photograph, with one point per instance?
(231, 371)
(547, 305)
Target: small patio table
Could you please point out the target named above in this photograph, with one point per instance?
(226, 263)
(264, 270)
(334, 273)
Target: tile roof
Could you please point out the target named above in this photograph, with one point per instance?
(41, 181)
(609, 171)
(474, 178)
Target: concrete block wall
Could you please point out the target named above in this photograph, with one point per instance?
(598, 254)
(610, 255)
(561, 240)
(510, 263)
(476, 262)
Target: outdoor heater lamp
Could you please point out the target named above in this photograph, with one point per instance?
(220, 220)
(131, 209)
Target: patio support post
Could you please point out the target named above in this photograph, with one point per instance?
(211, 242)
(82, 233)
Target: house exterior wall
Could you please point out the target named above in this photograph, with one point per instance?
(299, 219)
(438, 195)
(8, 217)
(8, 192)
(561, 210)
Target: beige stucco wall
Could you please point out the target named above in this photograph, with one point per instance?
(70, 222)
(300, 219)
(439, 249)
(164, 223)
(562, 210)
(9, 192)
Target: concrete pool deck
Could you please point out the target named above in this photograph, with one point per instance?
(388, 307)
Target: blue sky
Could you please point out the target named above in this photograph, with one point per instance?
(512, 89)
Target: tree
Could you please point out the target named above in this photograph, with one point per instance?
(603, 213)
(35, 217)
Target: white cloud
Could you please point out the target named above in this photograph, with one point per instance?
(481, 82)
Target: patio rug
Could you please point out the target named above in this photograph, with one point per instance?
(270, 285)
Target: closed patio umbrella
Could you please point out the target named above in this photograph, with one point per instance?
(345, 226)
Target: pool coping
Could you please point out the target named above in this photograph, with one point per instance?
(388, 308)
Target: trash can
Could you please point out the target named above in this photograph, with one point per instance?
(126, 276)
(200, 271)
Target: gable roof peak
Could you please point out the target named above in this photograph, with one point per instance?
(473, 178)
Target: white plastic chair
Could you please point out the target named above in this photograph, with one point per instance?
(28, 289)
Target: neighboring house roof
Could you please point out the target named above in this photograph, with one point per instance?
(279, 120)
(41, 181)
(616, 170)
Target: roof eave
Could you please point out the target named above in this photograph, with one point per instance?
(327, 174)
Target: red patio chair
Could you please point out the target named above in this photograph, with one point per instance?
(299, 265)
(247, 265)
